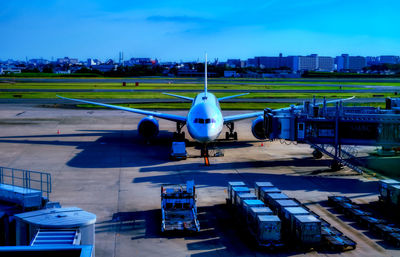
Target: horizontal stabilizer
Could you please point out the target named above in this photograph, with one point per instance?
(180, 96)
(231, 96)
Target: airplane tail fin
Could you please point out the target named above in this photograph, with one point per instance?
(205, 76)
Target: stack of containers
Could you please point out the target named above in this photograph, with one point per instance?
(236, 191)
(231, 185)
(272, 198)
(387, 189)
(297, 220)
(289, 214)
(262, 224)
(307, 229)
(259, 185)
(268, 190)
(281, 204)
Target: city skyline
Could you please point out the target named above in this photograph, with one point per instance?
(46, 29)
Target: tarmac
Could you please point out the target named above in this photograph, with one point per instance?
(99, 163)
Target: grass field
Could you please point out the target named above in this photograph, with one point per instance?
(153, 83)
(166, 86)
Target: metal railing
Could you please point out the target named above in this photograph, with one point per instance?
(27, 179)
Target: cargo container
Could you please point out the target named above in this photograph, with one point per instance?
(247, 204)
(384, 186)
(289, 214)
(259, 185)
(307, 230)
(178, 208)
(394, 194)
(237, 190)
(240, 197)
(257, 211)
(271, 198)
(234, 184)
(267, 190)
(268, 231)
(280, 204)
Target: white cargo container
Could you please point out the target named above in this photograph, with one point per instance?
(259, 185)
(307, 229)
(290, 213)
(268, 190)
(384, 187)
(271, 198)
(257, 211)
(234, 184)
(247, 204)
(268, 228)
(238, 190)
(240, 197)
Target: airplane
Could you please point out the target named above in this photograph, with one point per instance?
(204, 120)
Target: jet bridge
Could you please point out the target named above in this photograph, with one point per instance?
(336, 130)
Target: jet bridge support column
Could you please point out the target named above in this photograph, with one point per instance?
(336, 165)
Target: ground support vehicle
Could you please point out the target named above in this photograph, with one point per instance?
(178, 208)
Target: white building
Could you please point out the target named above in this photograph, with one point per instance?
(350, 63)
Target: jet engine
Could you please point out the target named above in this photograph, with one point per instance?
(148, 127)
(257, 128)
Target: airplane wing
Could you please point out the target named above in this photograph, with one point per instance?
(242, 116)
(231, 96)
(165, 116)
(180, 96)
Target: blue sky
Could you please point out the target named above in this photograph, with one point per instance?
(184, 30)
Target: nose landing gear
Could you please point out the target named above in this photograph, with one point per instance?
(204, 153)
(231, 134)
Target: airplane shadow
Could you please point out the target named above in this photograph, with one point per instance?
(291, 182)
(112, 148)
(115, 148)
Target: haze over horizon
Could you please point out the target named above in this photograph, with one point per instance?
(184, 30)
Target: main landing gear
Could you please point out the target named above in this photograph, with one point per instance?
(179, 135)
(231, 134)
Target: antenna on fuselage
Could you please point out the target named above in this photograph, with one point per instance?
(205, 77)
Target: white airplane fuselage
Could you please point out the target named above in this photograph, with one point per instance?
(204, 119)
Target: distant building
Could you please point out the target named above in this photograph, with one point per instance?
(252, 62)
(372, 60)
(91, 62)
(38, 61)
(8, 70)
(62, 72)
(234, 63)
(326, 63)
(67, 60)
(389, 59)
(309, 62)
(350, 63)
(105, 67)
(230, 74)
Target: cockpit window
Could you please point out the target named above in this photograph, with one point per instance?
(203, 121)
